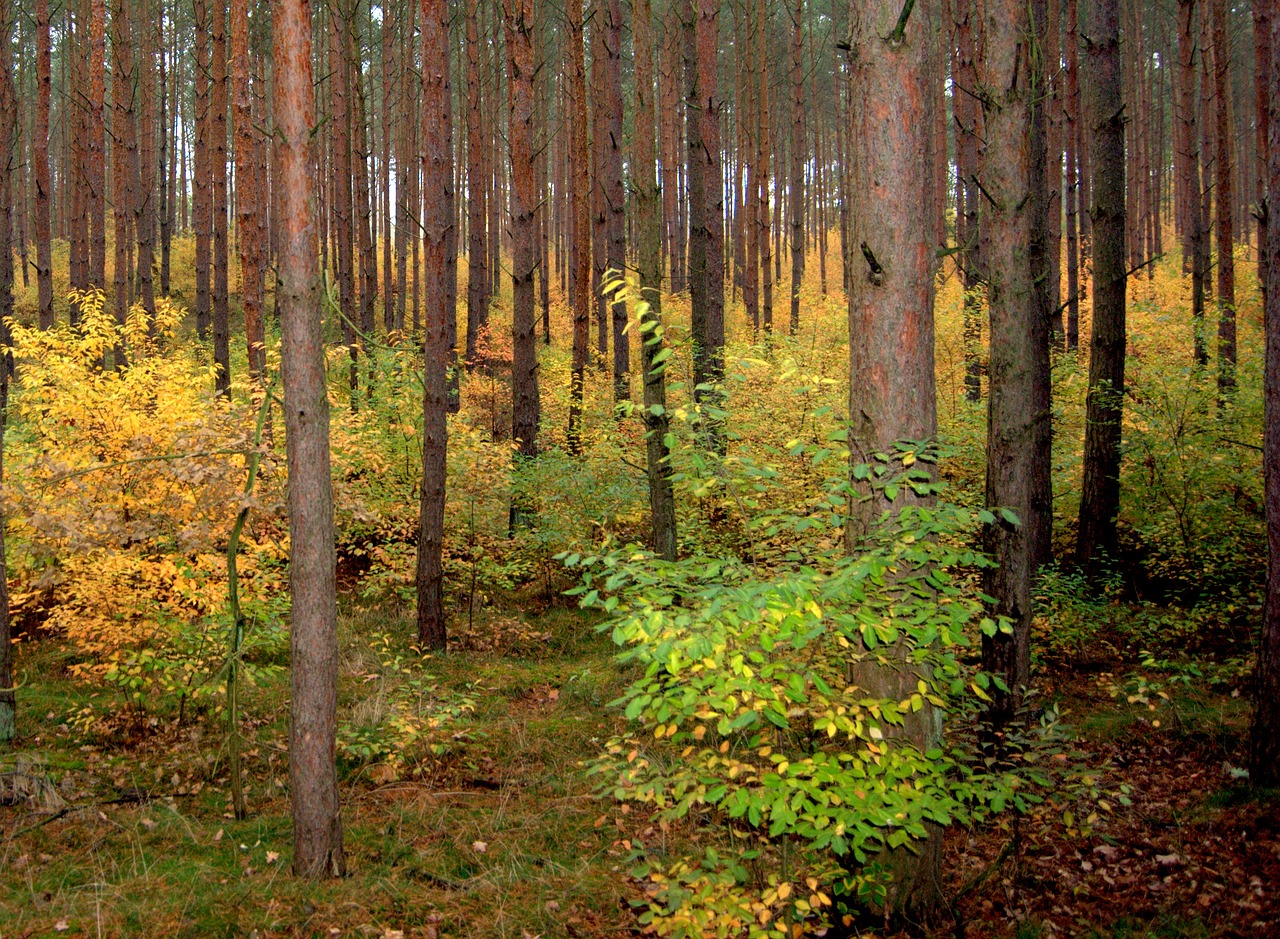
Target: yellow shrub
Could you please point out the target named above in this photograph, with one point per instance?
(124, 477)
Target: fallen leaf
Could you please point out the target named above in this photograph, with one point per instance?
(62, 925)
(479, 847)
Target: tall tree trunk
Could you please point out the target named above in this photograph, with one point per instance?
(580, 202)
(749, 155)
(892, 394)
(437, 176)
(144, 208)
(1049, 34)
(8, 157)
(389, 70)
(1224, 198)
(706, 211)
(599, 206)
(202, 183)
(1100, 493)
(168, 155)
(366, 230)
(247, 208)
(615, 203)
(798, 155)
(313, 777)
(1075, 205)
(1264, 730)
(95, 160)
(1009, 176)
(1193, 250)
(341, 60)
(477, 173)
(1044, 257)
(968, 119)
(525, 412)
(40, 153)
(1264, 77)
(218, 173)
(764, 215)
(648, 208)
(124, 157)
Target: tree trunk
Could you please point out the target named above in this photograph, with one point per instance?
(1049, 32)
(968, 120)
(8, 157)
(648, 208)
(599, 207)
(124, 157)
(202, 193)
(706, 211)
(437, 177)
(1045, 209)
(1075, 205)
(1193, 251)
(341, 58)
(218, 173)
(365, 229)
(389, 70)
(1224, 198)
(798, 160)
(95, 156)
(1100, 493)
(615, 202)
(40, 153)
(317, 821)
(1264, 75)
(144, 208)
(477, 173)
(580, 202)
(892, 392)
(168, 156)
(523, 204)
(1264, 730)
(247, 208)
(764, 213)
(1008, 176)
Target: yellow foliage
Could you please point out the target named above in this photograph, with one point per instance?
(125, 474)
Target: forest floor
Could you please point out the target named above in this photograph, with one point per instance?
(124, 827)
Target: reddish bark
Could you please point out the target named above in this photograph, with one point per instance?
(313, 778)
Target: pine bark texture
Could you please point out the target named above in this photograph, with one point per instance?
(1100, 493)
(218, 174)
(1224, 199)
(580, 209)
(247, 209)
(317, 821)
(648, 209)
(437, 180)
(1193, 248)
(523, 203)
(891, 365)
(706, 213)
(40, 154)
(1005, 167)
(9, 149)
(1264, 731)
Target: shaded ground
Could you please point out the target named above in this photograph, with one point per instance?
(126, 830)
(1194, 854)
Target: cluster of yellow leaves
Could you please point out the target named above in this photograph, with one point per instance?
(125, 474)
(686, 900)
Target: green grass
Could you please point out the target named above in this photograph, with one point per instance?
(495, 839)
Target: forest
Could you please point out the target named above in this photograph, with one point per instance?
(753, 469)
